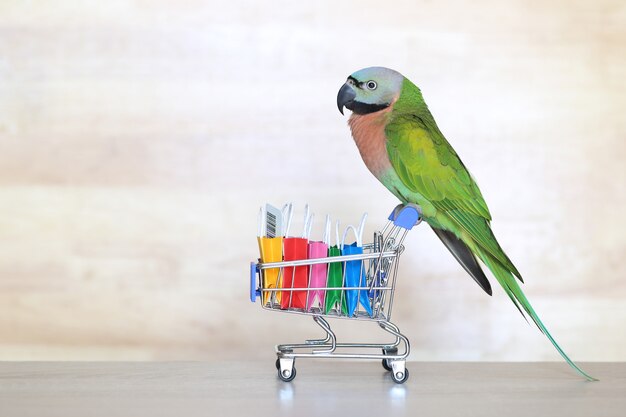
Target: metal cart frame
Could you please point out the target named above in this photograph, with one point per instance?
(379, 265)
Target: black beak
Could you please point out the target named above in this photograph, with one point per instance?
(345, 97)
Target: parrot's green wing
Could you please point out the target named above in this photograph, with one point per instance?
(427, 164)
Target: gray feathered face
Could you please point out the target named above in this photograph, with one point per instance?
(370, 90)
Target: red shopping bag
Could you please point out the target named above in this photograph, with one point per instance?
(294, 248)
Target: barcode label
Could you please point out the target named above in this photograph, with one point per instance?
(273, 221)
(271, 225)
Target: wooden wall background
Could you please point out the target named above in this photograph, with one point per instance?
(138, 138)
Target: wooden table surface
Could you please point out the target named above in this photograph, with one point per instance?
(321, 387)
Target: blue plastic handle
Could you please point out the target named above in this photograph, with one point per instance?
(254, 292)
(395, 211)
(405, 216)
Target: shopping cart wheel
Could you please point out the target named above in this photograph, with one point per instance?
(400, 377)
(286, 375)
(278, 364)
(386, 364)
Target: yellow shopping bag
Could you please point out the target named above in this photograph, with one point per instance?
(271, 249)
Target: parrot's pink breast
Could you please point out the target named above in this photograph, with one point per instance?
(368, 131)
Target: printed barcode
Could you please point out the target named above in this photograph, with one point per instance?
(271, 225)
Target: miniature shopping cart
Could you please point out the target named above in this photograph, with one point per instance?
(379, 267)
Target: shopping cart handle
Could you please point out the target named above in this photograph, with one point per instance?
(406, 216)
(254, 292)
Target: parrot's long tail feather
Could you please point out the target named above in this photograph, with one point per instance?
(513, 290)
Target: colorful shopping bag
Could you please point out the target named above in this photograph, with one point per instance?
(335, 299)
(294, 248)
(356, 277)
(271, 250)
(318, 274)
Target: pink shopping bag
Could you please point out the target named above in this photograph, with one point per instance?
(318, 274)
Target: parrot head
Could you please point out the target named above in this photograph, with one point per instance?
(370, 90)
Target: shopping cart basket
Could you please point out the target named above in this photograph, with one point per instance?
(379, 266)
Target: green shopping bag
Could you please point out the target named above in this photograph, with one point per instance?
(335, 298)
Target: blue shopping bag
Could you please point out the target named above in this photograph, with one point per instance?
(355, 277)
(355, 273)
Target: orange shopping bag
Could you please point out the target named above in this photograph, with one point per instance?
(271, 249)
(270, 242)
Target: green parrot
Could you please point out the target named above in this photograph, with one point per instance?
(402, 146)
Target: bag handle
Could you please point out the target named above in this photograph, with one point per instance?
(288, 215)
(261, 218)
(360, 230)
(308, 225)
(345, 234)
(327, 226)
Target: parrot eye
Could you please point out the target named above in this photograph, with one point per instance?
(371, 85)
